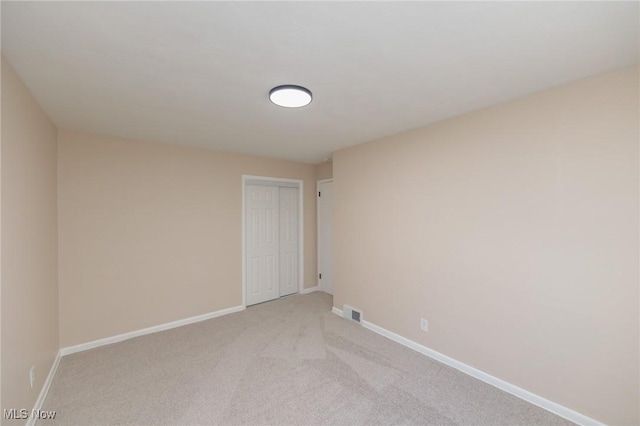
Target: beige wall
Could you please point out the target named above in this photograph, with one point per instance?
(514, 231)
(29, 244)
(324, 170)
(151, 233)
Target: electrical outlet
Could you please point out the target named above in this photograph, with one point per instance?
(32, 375)
(424, 324)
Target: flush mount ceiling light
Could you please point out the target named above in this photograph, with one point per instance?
(290, 96)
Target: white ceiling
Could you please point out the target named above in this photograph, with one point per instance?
(199, 73)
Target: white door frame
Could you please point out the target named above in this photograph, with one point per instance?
(276, 182)
(318, 283)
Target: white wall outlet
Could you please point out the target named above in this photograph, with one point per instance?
(424, 324)
(32, 375)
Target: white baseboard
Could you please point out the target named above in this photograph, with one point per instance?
(45, 389)
(525, 395)
(309, 290)
(156, 328)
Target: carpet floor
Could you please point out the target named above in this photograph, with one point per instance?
(286, 362)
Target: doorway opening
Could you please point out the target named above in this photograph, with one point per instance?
(325, 235)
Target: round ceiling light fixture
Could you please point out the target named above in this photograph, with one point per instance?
(290, 96)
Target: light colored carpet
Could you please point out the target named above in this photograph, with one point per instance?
(286, 362)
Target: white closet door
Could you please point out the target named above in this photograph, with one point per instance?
(263, 248)
(288, 241)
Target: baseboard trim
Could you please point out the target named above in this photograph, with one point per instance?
(167, 326)
(309, 290)
(45, 389)
(525, 395)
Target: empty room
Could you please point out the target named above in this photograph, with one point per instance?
(320, 213)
